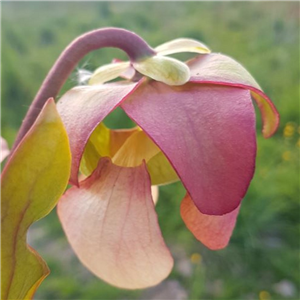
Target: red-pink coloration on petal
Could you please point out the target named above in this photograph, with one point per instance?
(212, 231)
(208, 134)
(4, 149)
(82, 109)
(112, 226)
(220, 69)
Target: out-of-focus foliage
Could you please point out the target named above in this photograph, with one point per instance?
(262, 260)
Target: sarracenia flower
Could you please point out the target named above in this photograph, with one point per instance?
(195, 123)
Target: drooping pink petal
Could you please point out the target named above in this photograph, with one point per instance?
(208, 134)
(212, 231)
(220, 69)
(4, 149)
(112, 226)
(83, 108)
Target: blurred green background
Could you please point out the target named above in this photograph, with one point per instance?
(262, 260)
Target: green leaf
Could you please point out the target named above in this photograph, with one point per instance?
(32, 182)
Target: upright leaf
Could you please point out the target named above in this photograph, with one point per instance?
(32, 182)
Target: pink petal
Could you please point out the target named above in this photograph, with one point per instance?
(213, 231)
(82, 109)
(207, 133)
(112, 226)
(220, 69)
(4, 149)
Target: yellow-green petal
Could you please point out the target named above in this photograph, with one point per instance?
(127, 148)
(32, 182)
(103, 142)
(138, 147)
(97, 146)
(182, 45)
(160, 170)
(164, 69)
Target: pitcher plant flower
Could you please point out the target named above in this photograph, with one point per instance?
(195, 123)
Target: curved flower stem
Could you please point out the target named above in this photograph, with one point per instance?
(135, 47)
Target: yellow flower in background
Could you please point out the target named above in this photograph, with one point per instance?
(264, 295)
(289, 130)
(286, 155)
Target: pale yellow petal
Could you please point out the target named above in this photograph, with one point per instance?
(164, 69)
(182, 45)
(138, 147)
(108, 72)
(118, 138)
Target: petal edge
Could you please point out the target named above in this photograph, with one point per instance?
(220, 69)
(208, 136)
(111, 224)
(212, 231)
